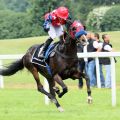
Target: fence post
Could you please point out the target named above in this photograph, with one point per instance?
(113, 82)
(46, 87)
(1, 77)
(98, 72)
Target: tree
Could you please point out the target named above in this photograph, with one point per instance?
(17, 5)
(111, 20)
(105, 2)
(2, 5)
(40, 8)
(95, 17)
(16, 25)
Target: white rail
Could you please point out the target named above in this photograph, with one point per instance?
(1, 77)
(7, 57)
(96, 55)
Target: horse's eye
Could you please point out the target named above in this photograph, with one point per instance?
(73, 28)
(83, 40)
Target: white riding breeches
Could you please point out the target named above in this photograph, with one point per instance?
(55, 31)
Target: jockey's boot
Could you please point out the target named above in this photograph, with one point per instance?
(46, 44)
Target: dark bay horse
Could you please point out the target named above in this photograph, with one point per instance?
(64, 64)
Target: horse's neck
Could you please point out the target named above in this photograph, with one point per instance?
(71, 48)
(68, 45)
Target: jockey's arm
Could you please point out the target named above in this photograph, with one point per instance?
(47, 21)
(69, 22)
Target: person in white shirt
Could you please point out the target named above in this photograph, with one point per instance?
(106, 47)
(93, 46)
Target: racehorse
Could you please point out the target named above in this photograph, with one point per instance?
(63, 65)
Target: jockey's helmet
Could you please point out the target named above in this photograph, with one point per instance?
(62, 12)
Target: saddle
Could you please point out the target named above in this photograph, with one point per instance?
(50, 52)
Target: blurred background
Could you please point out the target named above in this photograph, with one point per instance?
(24, 18)
(21, 26)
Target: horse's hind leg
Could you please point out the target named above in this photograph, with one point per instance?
(59, 80)
(89, 99)
(41, 89)
(52, 91)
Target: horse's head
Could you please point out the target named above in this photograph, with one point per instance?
(68, 39)
(77, 32)
(83, 40)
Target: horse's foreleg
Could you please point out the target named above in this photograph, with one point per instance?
(89, 99)
(59, 80)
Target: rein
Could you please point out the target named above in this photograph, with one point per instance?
(63, 55)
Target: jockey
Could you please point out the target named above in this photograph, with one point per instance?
(53, 24)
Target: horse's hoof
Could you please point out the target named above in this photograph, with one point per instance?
(60, 109)
(57, 90)
(89, 100)
(60, 95)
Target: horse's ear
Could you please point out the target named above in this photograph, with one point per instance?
(67, 39)
(65, 34)
(63, 37)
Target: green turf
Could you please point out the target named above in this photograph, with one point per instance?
(18, 46)
(28, 104)
(19, 100)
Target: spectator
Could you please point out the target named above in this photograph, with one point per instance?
(96, 36)
(93, 46)
(106, 47)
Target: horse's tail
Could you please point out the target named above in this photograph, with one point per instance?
(13, 68)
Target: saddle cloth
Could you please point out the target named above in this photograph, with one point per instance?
(42, 61)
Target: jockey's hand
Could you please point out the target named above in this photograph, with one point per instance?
(46, 26)
(80, 33)
(49, 19)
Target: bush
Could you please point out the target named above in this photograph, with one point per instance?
(95, 17)
(111, 20)
(18, 25)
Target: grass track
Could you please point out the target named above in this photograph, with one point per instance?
(21, 104)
